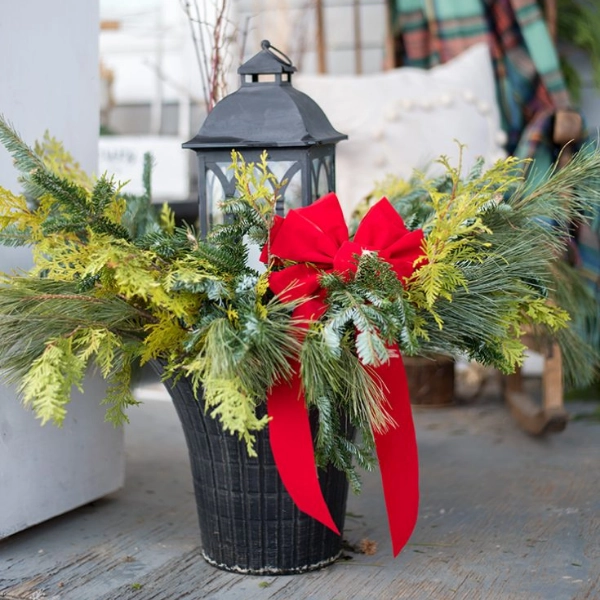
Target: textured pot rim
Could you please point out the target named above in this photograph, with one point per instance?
(272, 570)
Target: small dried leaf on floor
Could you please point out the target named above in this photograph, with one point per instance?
(368, 547)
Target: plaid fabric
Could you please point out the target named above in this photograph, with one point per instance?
(530, 85)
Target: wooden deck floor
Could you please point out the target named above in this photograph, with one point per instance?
(503, 516)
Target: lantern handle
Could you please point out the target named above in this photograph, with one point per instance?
(266, 45)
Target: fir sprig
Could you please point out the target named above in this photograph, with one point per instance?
(59, 161)
(26, 161)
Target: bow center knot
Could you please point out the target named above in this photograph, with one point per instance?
(345, 261)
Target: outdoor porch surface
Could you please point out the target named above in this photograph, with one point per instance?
(503, 516)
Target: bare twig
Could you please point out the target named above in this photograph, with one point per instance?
(244, 38)
(201, 42)
(321, 58)
(197, 50)
(210, 40)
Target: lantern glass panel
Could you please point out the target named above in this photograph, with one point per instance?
(321, 176)
(293, 192)
(289, 181)
(328, 161)
(219, 184)
(218, 180)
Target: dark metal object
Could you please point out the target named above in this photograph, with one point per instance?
(265, 113)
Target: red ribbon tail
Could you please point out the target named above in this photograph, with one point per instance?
(398, 457)
(292, 447)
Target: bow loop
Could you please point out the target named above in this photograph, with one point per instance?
(315, 238)
(311, 234)
(381, 227)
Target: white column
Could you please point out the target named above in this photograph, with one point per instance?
(50, 80)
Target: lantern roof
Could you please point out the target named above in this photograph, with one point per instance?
(265, 113)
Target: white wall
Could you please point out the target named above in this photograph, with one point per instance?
(150, 55)
(150, 52)
(49, 75)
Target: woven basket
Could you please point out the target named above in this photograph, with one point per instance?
(248, 522)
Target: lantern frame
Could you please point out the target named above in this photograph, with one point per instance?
(265, 114)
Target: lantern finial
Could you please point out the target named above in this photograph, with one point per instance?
(269, 60)
(277, 53)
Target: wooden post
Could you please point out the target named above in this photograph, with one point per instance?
(321, 62)
(389, 60)
(551, 15)
(535, 418)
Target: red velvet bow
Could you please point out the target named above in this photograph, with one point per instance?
(315, 239)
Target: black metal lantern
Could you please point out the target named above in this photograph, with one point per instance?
(265, 113)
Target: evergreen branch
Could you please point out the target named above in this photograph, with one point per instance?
(227, 400)
(102, 225)
(14, 235)
(118, 371)
(122, 283)
(47, 384)
(102, 194)
(72, 196)
(25, 159)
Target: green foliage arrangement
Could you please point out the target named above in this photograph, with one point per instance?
(542, 215)
(116, 282)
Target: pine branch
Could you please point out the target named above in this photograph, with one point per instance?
(486, 282)
(13, 236)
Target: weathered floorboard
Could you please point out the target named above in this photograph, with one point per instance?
(503, 517)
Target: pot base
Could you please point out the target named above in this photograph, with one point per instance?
(271, 570)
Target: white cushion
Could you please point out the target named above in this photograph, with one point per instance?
(406, 118)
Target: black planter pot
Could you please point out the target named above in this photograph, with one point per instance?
(248, 522)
